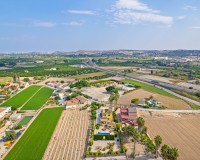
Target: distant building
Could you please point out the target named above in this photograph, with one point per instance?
(15, 117)
(75, 101)
(4, 111)
(39, 62)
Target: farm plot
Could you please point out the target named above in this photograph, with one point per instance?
(19, 99)
(182, 132)
(97, 93)
(25, 120)
(69, 139)
(166, 101)
(148, 87)
(33, 143)
(38, 100)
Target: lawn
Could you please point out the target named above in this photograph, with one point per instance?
(148, 87)
(38, 100)
(25, 120)
(20, 98)
(33, 143)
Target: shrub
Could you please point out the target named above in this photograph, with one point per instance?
(91, 142)
(97, 126)
(19, 126)
(10, 135)
(101, 137)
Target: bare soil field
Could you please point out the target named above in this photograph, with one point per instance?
(110, 78)
(56, 79)
(98, 93)
(117, 68)
(87, 75)
(5, 79)
(157, 78)
(178, 130)
(69, 138)
(169, 102)
(140, 93)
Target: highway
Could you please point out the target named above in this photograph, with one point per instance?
(157, 84)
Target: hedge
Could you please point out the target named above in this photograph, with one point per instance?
(107, 137)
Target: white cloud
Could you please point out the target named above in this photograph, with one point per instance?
(44, 24)
(188, 7)
(133, 11)
(74, 23)
(134, 5)
(196, 27)
(181, 17)
(85, 12)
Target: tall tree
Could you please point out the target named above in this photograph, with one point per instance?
(158, 142)
(116, 98)
(140, 122)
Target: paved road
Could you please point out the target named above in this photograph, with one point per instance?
(158, 85)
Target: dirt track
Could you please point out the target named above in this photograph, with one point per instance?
(181, 131)
(68, 141)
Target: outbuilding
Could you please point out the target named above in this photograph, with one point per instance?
(15, 117)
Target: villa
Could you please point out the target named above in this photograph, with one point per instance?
(128, 115)
(107, 119)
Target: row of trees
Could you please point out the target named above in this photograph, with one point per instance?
(152, 146)
(80, 83)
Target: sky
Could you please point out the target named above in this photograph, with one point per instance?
(70, 25)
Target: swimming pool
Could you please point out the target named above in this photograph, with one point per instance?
(107, 133)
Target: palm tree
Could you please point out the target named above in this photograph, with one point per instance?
(140, 122)
(158, 142)
(164, 151)
(111, 99)
(144, 130)
(116, 98)
(174, 153)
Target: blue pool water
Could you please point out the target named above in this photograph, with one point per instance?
(104, 133)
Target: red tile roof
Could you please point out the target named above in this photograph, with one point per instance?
(124, 116)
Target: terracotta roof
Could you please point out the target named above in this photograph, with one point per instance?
(81, 99)
(124, 116)
(125, 110)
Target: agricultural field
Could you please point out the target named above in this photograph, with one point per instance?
(69, 139)
(25, 120)
(82, 76)
(19, 99)
(61, 70)
(178, 130)
(38, 100)
(5, 79)
(169, 102)
(148, 87)
(33, 143)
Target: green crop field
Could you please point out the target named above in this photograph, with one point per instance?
(20, 98)
(25, 120)
(148, 87)
(38, 100)
(33, 143)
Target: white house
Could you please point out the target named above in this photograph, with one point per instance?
(15, 117)
(4, 111)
